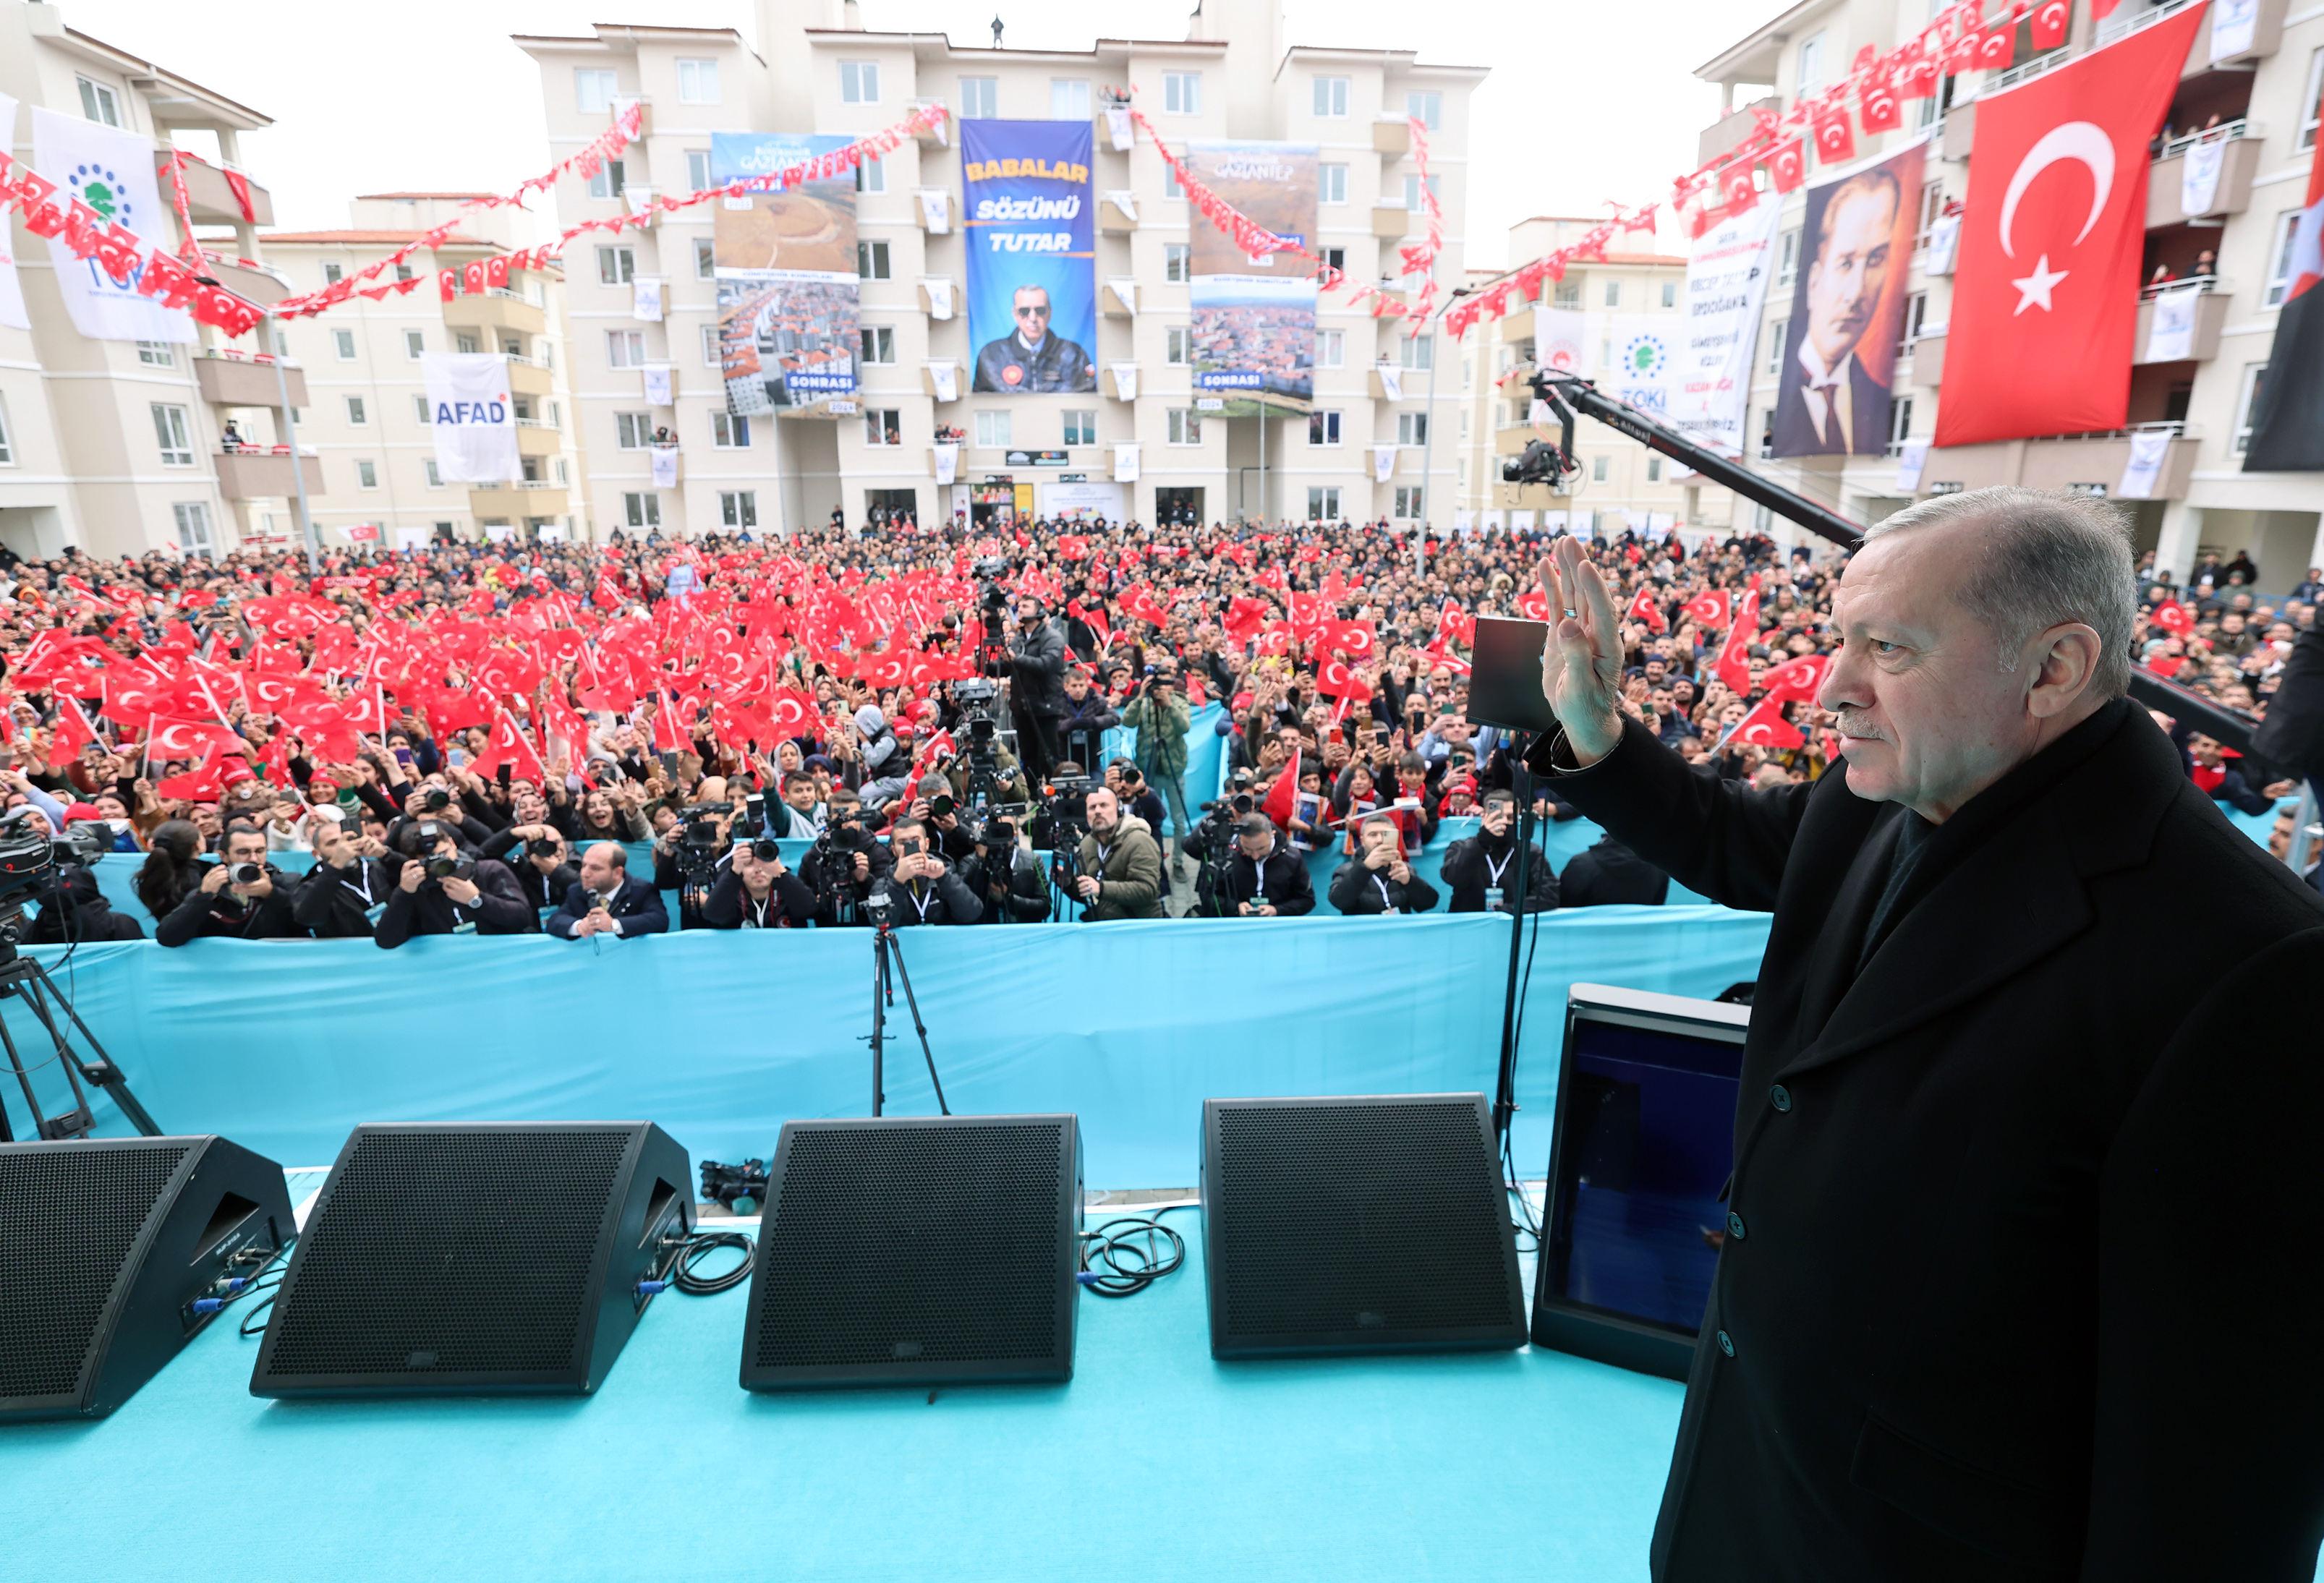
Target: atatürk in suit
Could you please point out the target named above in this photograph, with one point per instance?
(2021, 1280)
(1797, 433)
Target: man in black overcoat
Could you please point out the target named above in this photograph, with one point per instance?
(2018, 1279)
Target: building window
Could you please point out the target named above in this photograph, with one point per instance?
(1810, 65)
(872, 175)
(435, 478)
(1597, 469)
(738, 508)
(156, 354)
(1428, 109)
(859, 82)
(1900, 421)
(344, 341)
(1331, 184)
(1787, 256)
(697, 169)
(98, 103)
(1331, 100)
(367, 474)
(706, 259)
(1069, 99)
(1181, 93)
(1412, 428)
(175, 438)
(2280, 269)
(730, 433)
(1408, 501)
(1412, 191)
(616, 266)
(415, 345)
(625, 348)
(2311, 107)
(1654, 466)
(1176, 259)
(642, 510)
(1414, 351)
(1917, 313)
(1778, 333)
(593, 92)
(465, 343)
(1335, 258)
(698, 82)
(1670, 293)
(358, 415)
(1933, 209)
(980, 98)
(633, 431)
(992, 430)
(1613, 293)
(1177, 341)
(878, 343)
(1081, 426)
(1185, 427)
(1568, 295)
(1322, 506)
(1330, 348)
(872, 260)
(2254, 377)
(712, 357)
(608, 182)
(7, 449)
(193, 527)
(1323, 429)
(556, 417)
(560, 470)
(1170, 187)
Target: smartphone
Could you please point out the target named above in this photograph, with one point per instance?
(504, 774)
(403, 756)
(459, 757)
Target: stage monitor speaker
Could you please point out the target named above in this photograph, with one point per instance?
(905, 1250)
(1639, 1154)
(110, 1242)
(476, 1259)
(1369, 1224)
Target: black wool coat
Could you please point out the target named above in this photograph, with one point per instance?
(2021, 1280)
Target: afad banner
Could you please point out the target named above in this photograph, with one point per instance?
(1727, 270)
(1856, 246)
(1255, 316)
(1032, 256)
(789, 307)
(473, 420)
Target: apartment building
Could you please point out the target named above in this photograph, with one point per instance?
(366, 419)
(1619, 484)
(815, 69)
(2260, 100)
(113, 446)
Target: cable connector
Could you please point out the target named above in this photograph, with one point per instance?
(1087, 1277)
(208, 1305)
(653, 1288)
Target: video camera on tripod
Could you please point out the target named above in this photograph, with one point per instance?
(977, 697)
(991, 604)
(833, 858)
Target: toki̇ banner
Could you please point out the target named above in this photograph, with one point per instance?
(790, 309)
(1726, 270)
(472, 418)
(1032, 256)
(1848, 307)
(1254, 314)
(111, 172)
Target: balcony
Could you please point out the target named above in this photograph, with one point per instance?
(645, 113)
(2231, 195)
(1391, 221)
(264, 475)
(2267, 33)
(1391, 135)
(2084, 463)
(2210, 317)
(504, 502)
(211, 196)
(1928, 355)
(1119, 298)
(1117, 213)
(494, 309)
(253, 282)
(537, 438)
(529, 377)
(244, 382)
(936, 136)
(1729, 131)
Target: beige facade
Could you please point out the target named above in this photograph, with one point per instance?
(821, 72)
(2262, 102)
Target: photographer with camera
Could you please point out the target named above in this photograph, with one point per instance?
(1118, 873)
(1081, 733)
(1259, 876)
(689, 857)
(922, 887)
(435, 802)
(536, 855)
(1480, 869)
(844, 862)
(243, 897)
(1037, 696)
(1379, 882)
(442, 890)
(1007, 879)
(608, 901)
(344, 894)
(73, 911)
(1159, 715)
(758, 892)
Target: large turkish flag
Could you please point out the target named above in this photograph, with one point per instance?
(2045, 300)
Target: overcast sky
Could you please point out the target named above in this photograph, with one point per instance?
(1585, 103)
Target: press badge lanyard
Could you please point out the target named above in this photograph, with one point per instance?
(1494, 869)
(917, 902)
(1387, 901)
(364, 874)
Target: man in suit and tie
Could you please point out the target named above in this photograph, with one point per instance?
(607, 901)
(1829, 405)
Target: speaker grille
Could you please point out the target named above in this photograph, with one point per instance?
(459, 1252)
(68, 1219)
(930, 1245)
(1360, 1219)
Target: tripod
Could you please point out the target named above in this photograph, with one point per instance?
(23, 977)
(886, 948)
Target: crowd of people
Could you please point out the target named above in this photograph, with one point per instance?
(479, 738)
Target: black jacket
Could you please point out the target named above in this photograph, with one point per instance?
(1037, 658)
(500, 909)
(222, 916)
(1468, 870)
(1081, 732)
(789, 905)
(1228, 881)
(1025, 899)
(2292, 734)
(636, 907)
(1359, 891)
(810, 873)
(1610, 874)
(332, 902)
(78, 915)
(2004, 1294)
(946, 900)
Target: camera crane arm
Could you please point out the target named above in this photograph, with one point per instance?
(1567, 394)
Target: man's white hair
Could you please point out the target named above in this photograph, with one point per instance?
(2033, 560)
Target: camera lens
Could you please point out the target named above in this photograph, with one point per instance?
(247, 873)
(765, 850)
(436, 800)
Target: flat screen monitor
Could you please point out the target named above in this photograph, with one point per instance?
(1642, 1147)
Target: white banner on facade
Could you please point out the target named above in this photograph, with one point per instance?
(2198, 177)
(12, 290)
(1125, 292)
(1125, 464)
(1552, 522)
(645, 300)
(1911, 457)
(1558, 338)
(1119, 130)
(413, 538)
(1126, 201)
(935, 212)
(2171, 324)
(1944, 241)
(1391, 379)
(947, 463)
(2234, 23)
(499, 532)
(1727, 270)
(665, 466)
(1645, 351)
(474, 420)
(1383, 464)
(2144, 469)
(550, 533)
(945, 378)
(658, 392)
(939, 293)
(112, 171)
(1125, 382)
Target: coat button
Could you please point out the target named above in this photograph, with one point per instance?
(1735, 1225)
(1726, 1343)
(1780, 1097)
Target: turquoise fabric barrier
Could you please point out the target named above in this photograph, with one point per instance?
(722, 1037)
(1206, 759)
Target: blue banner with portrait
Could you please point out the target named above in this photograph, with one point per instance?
(1032, 256)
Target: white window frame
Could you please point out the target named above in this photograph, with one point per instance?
(632, 432)
(2246, 396)
(1330, 348)
(1425, 105)
(616, 266)
(1407, 505)
(980, 99)
(878, 343)
(2311, 108)
(859, 82)
(1177, 263)
(173, 434)
(7, 449)
(343, 342)
(1670, 293)
(1613, 294)
(609, 180)
(642, 509)
(193, 522)
(1779, 332)
(1414, 352)
(366, 472)
(1412, 190)
(1178, 345)
(1787, 257)
(698, 82)
(1809, 76)
(1185, 426)
(738, 508)
(415, 345)
(1654, 464)
(872, 260)
(697, 170)
(1325, 427)
(1181, 93)
(1323, 502)
(625, 348)
(358, 412)
(713, 352)
(993, 428)
(1069, 99)
(157, 355)
(1331, 98)
(1080, 421)
(1170, 187)
(706, 259)
(431, 473)
(2279, 257)
(1412, 428)
(594, 91)
(1567, 295)
(729, 432)
(99, 103)
(1331, 184)
(878, 421)
(871, 175)
(1598, 468)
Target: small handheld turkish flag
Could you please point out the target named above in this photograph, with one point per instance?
(1835, 138)
(2174, 618)
(1646, 608)
(1766, 727)
(1734, 666)
(1282, 797)
(1711, 609)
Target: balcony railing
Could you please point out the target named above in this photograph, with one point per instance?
(2123, 23)
(2176, 428)
(2204, 284)
(2241, 127)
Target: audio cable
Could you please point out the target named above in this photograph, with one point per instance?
(680, 1271)
(1123, 1257)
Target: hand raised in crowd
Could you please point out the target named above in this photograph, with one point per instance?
(1581, 665)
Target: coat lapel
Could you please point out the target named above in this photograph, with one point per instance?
(1841, 938)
